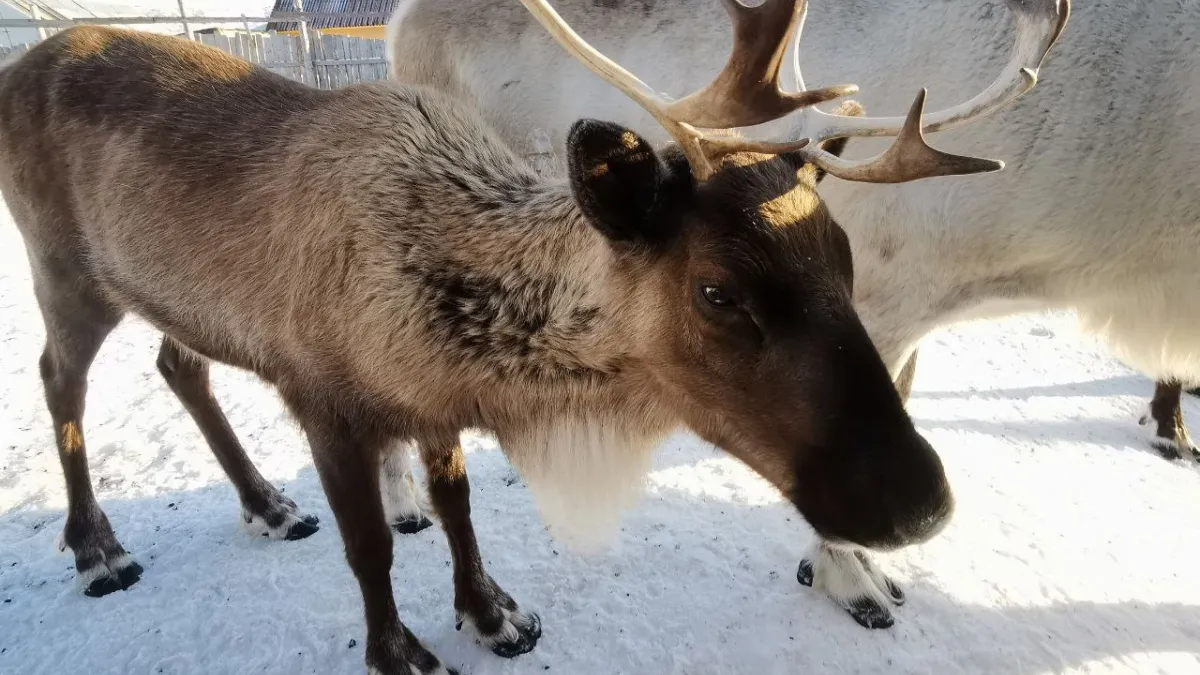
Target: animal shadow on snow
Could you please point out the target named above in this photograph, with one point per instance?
(693, 585)
(1123, 385)
(1122, 433)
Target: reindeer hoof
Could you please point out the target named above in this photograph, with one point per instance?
(1167, 450)
(112, 580)
(1172, 449)
(527, 638)
(412, 525)
(102, 587)
(805, 573)
(303, 528)
(895, 591)
(870, 614)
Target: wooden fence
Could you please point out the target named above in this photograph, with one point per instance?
(332, 60)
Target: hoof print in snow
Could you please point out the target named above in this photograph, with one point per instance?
(411, 525)
(804, 574)
(110, 583)
(870, 614)
(527, 638)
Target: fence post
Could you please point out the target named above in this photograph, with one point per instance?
(310, 66)
(187, 30)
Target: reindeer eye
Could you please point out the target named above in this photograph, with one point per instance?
(715, 295)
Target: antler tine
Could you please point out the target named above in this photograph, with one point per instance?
(627, 83)
(747, 91)
(1039, 25)
(744, 94)
(909, 158)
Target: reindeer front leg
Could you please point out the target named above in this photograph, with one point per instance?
(1171, 437)
(851, 580)
(478, 600)
(347, 458)
(849, 577)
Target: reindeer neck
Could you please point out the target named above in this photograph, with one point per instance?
(535, 286)
(502, 284)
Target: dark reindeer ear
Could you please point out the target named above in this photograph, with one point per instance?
(623, 187)
(834, 146)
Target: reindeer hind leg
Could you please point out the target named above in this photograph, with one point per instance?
(264, 508)
(78, 319)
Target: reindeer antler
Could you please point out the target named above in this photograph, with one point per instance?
(1039, 24)
(747, 92)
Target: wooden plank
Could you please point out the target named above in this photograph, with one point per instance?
(318, 54)
(339, 60)
(344, 71)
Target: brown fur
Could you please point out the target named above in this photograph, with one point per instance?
(398, 273)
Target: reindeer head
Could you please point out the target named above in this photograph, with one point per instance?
(747, 278)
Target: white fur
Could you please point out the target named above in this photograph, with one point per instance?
(877, 577)
(583, 474)
(402, 498)
(1096, 210)
(257, 526)
(110, 566)
(508, 632)
(390, 32)
(844, 577)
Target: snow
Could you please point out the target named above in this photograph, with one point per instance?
(1073, 549)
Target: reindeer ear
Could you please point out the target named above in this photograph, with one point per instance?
(620, 183)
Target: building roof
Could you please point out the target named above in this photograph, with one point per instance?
(334, 6)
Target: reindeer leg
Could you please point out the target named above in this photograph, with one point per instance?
(852, 581)
(478, 600)
(402, 501)
(347, 459)
(264, 507)
(77, 322)
(1171, 437)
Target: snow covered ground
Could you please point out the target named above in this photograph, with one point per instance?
(1074, 548)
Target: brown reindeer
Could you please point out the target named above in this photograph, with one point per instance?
(398, 274)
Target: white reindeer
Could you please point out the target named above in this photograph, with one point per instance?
(1096, 211)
